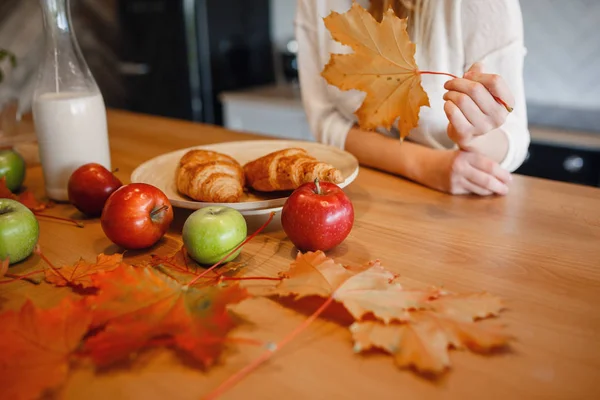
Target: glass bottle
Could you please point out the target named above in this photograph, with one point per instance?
(68, 108)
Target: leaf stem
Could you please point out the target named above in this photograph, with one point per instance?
(438, 73)
(79, 224)
(236, 248)
(38, 250)
(238, 376)
(15, 277)
(249, 278)
(498, 99)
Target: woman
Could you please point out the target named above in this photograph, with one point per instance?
(466, 142)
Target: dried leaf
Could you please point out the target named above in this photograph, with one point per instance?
(423, 342)
(179, 260)
(382, 66)
(28, 200)
(26, 197)
(36, 347)
(5, 192)
(362, 290)
(468, 307)
(80, 274)
(416, 326)
(136, 306)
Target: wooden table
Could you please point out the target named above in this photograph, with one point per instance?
(538, 248)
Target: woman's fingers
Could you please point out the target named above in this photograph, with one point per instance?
(495, 84)
(490, 167)
(487, 182)
(479, 94)
(477, 174)
(471, 187)
(487, 175)
(476, 117)
(462, 130)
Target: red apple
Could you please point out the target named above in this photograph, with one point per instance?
(136, 216)
(317, 216)
(90, 186)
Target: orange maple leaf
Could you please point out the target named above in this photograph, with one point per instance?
(36, 347)
(382, 66)
(80, 274)
(136, 306)
(423, 341)
(361, 290)
(26, 197)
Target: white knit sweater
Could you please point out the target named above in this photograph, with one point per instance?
(450, 36)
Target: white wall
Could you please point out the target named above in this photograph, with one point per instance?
(563, 62)
(282, 21)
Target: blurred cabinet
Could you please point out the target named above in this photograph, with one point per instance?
(563, 163)
(270, 110)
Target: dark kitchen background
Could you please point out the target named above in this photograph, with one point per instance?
(232, 63)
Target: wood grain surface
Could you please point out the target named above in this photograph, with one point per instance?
(538, 248)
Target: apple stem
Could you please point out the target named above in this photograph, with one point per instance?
(317, 186)
(158, 211)
(38, 251)
(238, 376)
(236, 248)
(78, 224)
(498, 99)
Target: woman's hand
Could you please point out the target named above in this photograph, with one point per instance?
(471, 108)
(462, 172)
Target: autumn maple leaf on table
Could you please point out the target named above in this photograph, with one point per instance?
(423, 341)
(26, 197)
(361, 290)
(137, 306)
(416, 326)
(37, 345)
(80, 274)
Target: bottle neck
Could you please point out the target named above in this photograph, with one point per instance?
(56, 17)
(64, 67)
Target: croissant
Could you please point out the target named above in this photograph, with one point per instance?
(288, 169)
(210, 176)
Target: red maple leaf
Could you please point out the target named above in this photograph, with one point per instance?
(136, 306)
(80, 274)
(36, 346)
(26, 197)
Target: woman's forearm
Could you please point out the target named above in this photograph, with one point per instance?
(388, 154)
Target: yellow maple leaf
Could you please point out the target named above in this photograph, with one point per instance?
(382, 66)
(424, 341)
(361, 290)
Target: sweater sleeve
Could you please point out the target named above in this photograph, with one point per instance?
(493, 34)
(327, 125)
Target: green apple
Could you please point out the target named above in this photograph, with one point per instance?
(210, 233)
(12, 167)
(19, 231)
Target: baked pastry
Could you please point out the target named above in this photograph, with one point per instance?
(288, 169)
(210, 176)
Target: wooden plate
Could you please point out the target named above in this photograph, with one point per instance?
(160, 171)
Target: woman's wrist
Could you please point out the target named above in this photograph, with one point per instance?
(407, 159)
(493, 145)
